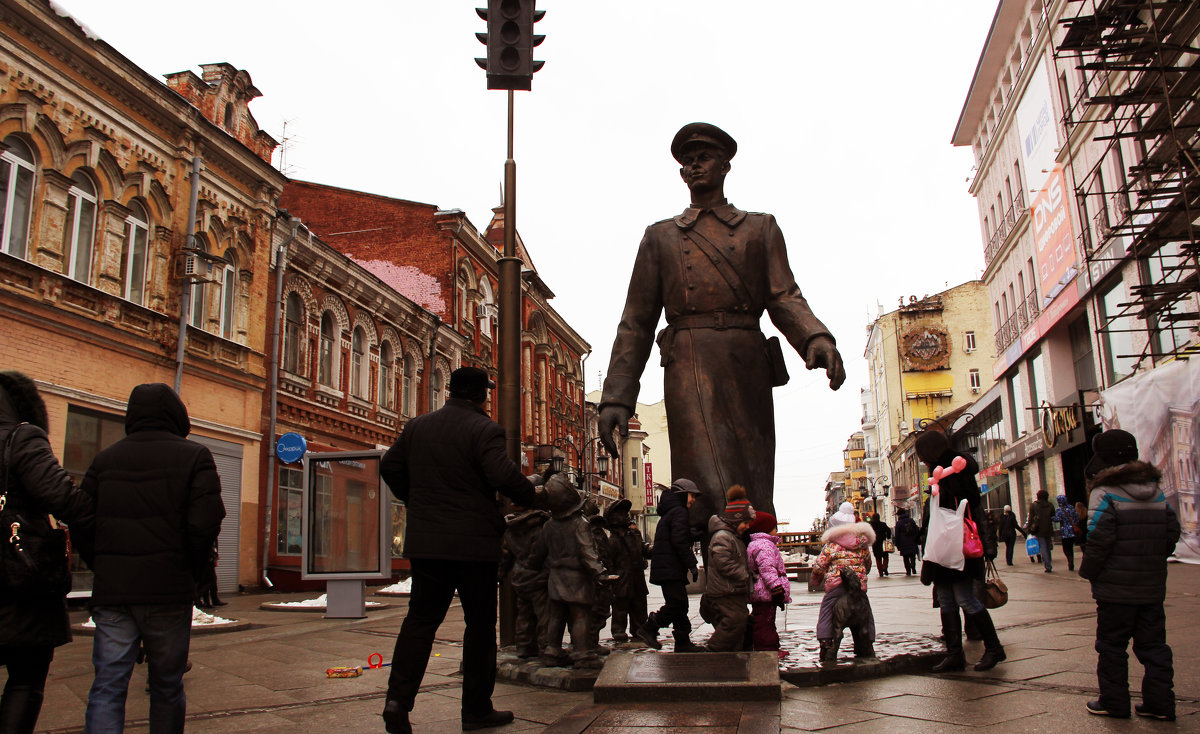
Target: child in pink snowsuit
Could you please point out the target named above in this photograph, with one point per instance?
(847, 546)
(772, 590)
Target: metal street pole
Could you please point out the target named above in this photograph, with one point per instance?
(510, 308)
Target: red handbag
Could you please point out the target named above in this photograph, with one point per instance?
(972, 545)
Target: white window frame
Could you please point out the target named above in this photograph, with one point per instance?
(79, 240)
(17, 165)
(327, 352)
(408, 385)
(359, 363)
(293, 336)
(387, 376)
(129, 252)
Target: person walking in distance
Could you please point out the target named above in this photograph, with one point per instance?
(1007, 533)
(158, 513)
(1068, 528)
(447, 467)
(907, 536)
(32, 621)
(1132, 531)
(671, 562)
(1041, 526)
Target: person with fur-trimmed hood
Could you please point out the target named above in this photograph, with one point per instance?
(568, 551)
(727, 574)
(1132, 530)
(628, 554)
(522, 534)
(846, 545)
(671, 563)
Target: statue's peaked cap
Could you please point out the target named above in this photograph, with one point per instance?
(702, 132)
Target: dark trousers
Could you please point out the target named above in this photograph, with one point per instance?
(532, 612)
(22, 702)
(1008, 550)
(1146, 624)
(762, 623)
(1068, 546)
(628, 610)
(434, 582)
(674, 611)
(910, 563)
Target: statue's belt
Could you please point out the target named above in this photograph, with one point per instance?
(717, 320)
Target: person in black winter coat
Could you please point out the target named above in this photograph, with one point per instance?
(955, 588)
(671, 562)
(32, 625)
(882, 534)
(1041, 526)
(1007, 533)
(158, 513)
(1132, 530)
(447, 467)
(907, 534)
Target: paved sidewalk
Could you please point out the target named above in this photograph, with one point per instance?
(270, 678)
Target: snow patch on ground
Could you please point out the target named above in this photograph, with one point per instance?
(400, 587)
(199, 619)
(319, 602)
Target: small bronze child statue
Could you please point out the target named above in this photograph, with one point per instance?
(628, 556)
(523, 533)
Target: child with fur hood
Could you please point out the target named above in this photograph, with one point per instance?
(771, 590)
(847, 545)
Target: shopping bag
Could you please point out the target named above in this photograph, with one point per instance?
(1032, 547)
(944, 539)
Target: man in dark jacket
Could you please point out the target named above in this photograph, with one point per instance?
(1131, 533)
(1008, 532)
(671, 561)
(1041, 526)
(158, 513)
(447, 467)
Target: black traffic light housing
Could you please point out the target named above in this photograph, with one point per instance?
(510, 41)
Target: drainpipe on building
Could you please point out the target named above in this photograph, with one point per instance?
(437, 324)
(272, 469)
(185, 297)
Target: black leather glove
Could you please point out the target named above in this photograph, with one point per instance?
(695, 575)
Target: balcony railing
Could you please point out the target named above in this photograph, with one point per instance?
(1004, 227)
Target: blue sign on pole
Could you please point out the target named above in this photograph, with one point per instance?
(290, 448)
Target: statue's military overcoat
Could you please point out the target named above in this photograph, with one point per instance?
(718, 377)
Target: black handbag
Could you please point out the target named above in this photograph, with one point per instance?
(34, 556)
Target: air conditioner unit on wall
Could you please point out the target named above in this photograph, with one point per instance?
(197, 266)
(975, 390)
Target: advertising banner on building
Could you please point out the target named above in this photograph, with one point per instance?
(1035, 125)
(1054, 237)
(1161, 408)
(649, 485)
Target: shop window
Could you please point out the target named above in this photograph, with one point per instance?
(79, 230)
(134, 251)
(16, 196)
(291, 498)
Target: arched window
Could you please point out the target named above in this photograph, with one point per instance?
(408, 386)
(487, 306)
(387, 376)
(359, 364)
(79, 231)
(438, 398)
(325, 357)
(229, 295)
(134, 253)
(293, 334)
(16, 195)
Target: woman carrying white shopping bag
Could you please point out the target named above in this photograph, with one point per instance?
(954, 552)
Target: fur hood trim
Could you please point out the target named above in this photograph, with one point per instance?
(1134, 472)
(846, 534)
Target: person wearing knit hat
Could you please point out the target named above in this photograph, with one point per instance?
(1132, 531)
(771, 590)
(727, 574)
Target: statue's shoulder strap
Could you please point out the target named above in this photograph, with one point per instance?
(729, 273)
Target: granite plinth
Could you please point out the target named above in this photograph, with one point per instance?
(666, 677)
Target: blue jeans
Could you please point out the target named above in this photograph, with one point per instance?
(958, 594)
(164, 630)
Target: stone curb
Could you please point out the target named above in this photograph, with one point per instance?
(204, 629)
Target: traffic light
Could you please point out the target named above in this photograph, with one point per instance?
(510, 41)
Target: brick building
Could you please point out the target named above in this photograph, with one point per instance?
(96, 158)
(441, 261)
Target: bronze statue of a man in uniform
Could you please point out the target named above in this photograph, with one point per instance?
(715, 269)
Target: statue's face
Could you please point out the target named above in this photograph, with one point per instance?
(703, 167)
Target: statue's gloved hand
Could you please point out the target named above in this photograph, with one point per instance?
(613, 417)
(821, 352)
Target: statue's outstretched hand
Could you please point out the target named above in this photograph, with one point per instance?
(613, 416)
(821, 352)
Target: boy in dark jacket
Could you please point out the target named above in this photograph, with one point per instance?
(727, 576)
(158, 513)
(1041, 526)
(1131, 532)
(627, 559)
(671, 561)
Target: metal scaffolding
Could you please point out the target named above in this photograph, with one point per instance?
(1136, 80)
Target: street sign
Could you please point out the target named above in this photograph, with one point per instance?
(290, 448)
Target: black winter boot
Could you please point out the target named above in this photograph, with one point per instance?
(993, 651)
(828, 653)
(683, 643)
(952, 634)
(20, 709)
(648, 632)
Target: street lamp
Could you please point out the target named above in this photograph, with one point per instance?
(882, 482)
(558, 462)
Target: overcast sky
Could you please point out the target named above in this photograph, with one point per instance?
(843, 114)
